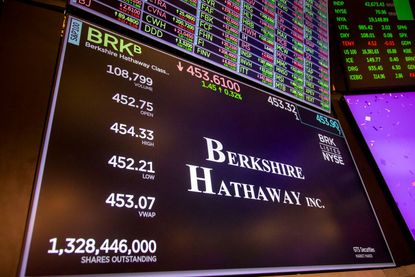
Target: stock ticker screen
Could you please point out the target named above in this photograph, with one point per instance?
(152, 164)
(282, 44)
(376, 40)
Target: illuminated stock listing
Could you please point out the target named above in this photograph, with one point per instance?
(377, 46)
(129, 184)
(280, 44)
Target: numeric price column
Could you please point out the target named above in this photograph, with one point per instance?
(128, 12)
(218, 28)
(316, 53)
(257, 40)
(398, 41)
(134, 129)
(173, 23)
(289, 62)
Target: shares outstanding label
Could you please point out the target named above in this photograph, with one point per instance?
(281, 44)
(154, 164)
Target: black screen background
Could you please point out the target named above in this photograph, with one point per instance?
(194, 231)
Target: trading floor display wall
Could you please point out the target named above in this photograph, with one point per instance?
(29, 70)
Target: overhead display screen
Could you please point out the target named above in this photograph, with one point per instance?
(153, 164)
(386, 122)
(376, 39)
(283, 45)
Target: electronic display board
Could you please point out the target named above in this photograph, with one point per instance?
(153, 164)
(376, 39)
(283, 45)
(386, 122)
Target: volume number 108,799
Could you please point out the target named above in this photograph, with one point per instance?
(130, 76)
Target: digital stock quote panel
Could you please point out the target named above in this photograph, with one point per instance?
(152, 164)
(282, 44)
(376, 43)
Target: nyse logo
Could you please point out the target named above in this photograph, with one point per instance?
(330, 150)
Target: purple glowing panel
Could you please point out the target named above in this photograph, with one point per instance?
(387, 124)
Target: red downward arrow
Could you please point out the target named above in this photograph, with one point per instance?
(179, 66)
